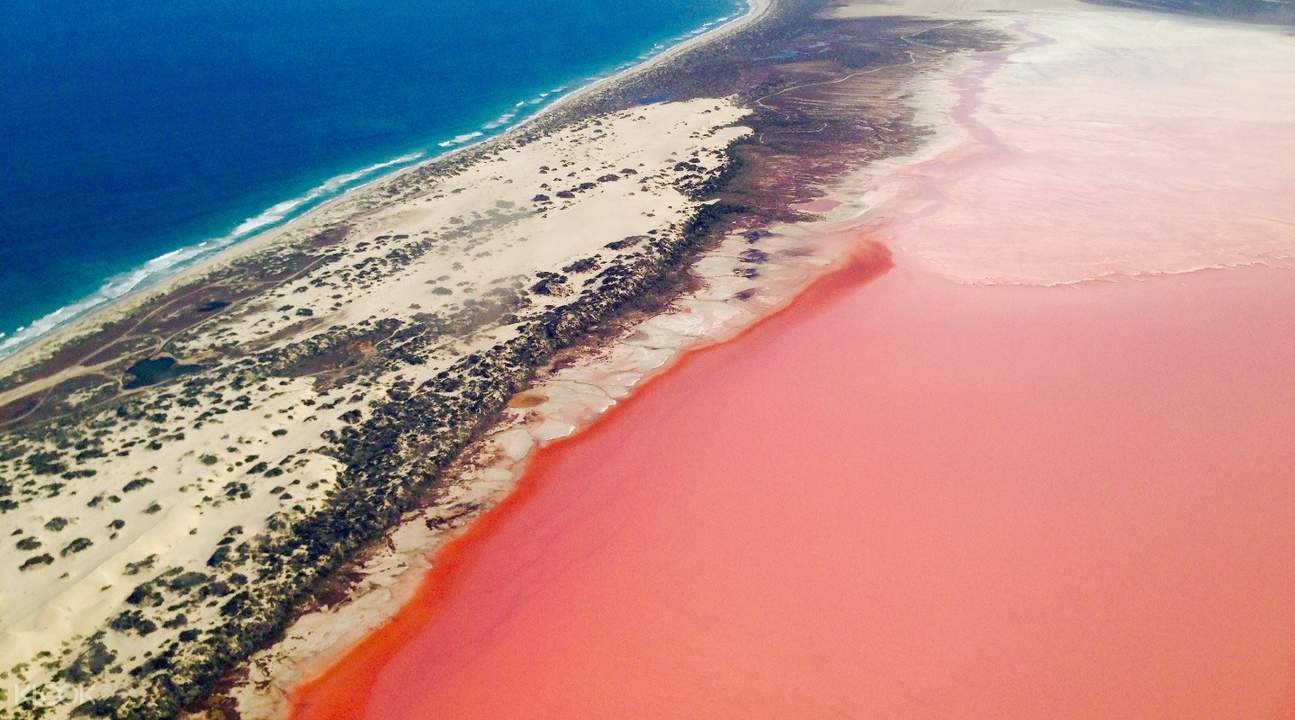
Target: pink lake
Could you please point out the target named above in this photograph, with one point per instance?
(909, 497)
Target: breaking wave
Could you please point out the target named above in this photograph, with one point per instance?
(167, 264)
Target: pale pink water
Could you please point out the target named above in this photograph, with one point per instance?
(1111, 144)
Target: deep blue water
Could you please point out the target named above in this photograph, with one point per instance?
(130, 130)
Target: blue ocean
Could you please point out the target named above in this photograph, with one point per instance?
(138, 137)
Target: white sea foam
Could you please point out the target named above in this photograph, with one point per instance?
(279, 211)
(460, 139)
(500, 121)
(167, 263)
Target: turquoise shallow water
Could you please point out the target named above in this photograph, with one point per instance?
(141, 137)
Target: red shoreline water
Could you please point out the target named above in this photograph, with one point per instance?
(900, 498)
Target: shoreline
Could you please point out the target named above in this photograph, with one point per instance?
(556, 411)
(32, 352)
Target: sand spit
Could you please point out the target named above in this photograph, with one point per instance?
(182, 480)
(133, 507)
